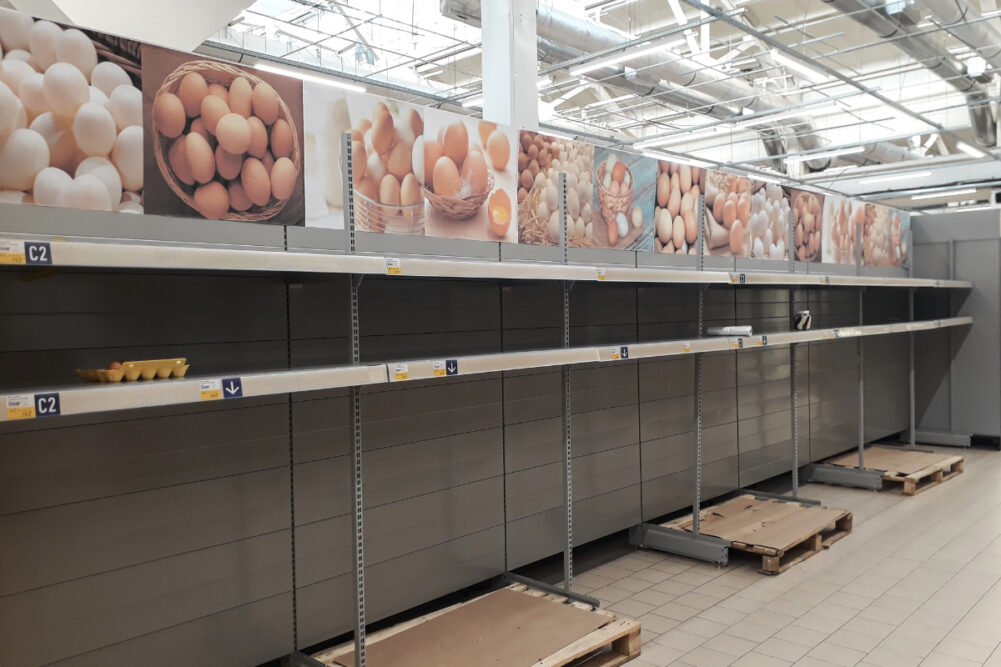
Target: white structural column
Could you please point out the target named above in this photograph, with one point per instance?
(510, 63)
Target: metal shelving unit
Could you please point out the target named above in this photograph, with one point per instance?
(34, 251)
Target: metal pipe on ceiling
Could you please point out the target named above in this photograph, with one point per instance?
(965, 23)
(873, 15)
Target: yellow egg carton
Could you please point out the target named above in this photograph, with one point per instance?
(135, 370)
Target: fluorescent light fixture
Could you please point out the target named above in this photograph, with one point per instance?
(819, 156)
(680, 159)
(473, 102)
(894, 177)
(976, 66)
(970, 150)
(785, 114)
(767, 178)
(298, 74)
(608, 101)
(677, 138)
(948, 193)
(808, 72)
(613, 59)
(555, 135)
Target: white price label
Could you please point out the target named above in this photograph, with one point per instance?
(438, 367)
(686, 346)
(401, 372)
(601, 274)
(21, 406)
(393, 266)
(210, 390)
(615, 353)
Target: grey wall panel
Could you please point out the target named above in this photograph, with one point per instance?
(886, 386)
(976, 395)
(44, 467)
(535, 443)
(531, 538)
(325, 608)
(108, 533)
(82, 615)
(237, 637)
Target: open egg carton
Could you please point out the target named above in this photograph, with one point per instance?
(135, 370)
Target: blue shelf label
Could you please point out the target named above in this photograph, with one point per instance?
(624, 351)
(47, 405)
(764, 340)
(232, 388)
(451, 367)
(37, 253)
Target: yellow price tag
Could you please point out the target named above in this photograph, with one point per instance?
(686, 347)
(12, 252)
(438, 368)
(601, 274)
(401, 372)
(21, 406)
(393, 266)
(210, 390)
(616, 354)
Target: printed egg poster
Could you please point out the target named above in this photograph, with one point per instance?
(223, 142)
(541, 159)
(71, 124)
(675, 213)
(727, 214)
(841, 217)
(470, 178)
(388, 163)
(623, 200)
(885, 236)
(808, 224)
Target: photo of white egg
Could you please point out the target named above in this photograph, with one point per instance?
(70, 116)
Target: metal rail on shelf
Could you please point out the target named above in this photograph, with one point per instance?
(176, 257)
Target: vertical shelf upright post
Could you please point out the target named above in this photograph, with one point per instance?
(793, 365)
(700, 324)
(355, 397)
(912, 437)
(567, 426)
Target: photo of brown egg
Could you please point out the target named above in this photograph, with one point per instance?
(841, 218)
(808, 222)
(224, 141)
(885, 235)
(470, 178)
(624, 200)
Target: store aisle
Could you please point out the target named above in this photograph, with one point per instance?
(917, 582)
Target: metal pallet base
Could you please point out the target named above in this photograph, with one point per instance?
(784, 497)
(861, 478)
(943, 438)
(511, 578)
(680, 542)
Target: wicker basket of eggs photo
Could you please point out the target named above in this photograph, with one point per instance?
(225, 142)
(460, 179)
(615, 189)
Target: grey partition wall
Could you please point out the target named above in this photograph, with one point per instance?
(959, 392)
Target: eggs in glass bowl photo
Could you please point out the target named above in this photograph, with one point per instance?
(470, 178)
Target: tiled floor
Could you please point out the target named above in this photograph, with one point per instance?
(917, 582)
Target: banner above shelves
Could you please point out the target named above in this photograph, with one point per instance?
(92, 121)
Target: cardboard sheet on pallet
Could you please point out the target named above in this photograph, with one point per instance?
(889, 459)
(764, 523)
(502, 628)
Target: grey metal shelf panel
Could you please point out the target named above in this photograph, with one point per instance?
(110, 397)
(144, 256)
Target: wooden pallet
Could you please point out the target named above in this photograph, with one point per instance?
(915, 471)
(924, 479)
(783, 533)
(613, 642)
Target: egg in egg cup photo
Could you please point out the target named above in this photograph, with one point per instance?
(71, 125)
(470, 178)
(625, 192)
(223, 142)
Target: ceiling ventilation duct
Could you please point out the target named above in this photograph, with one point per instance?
(578, 35)
(966, 24)
(900, 26)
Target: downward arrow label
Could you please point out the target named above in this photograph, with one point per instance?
(232, 387)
